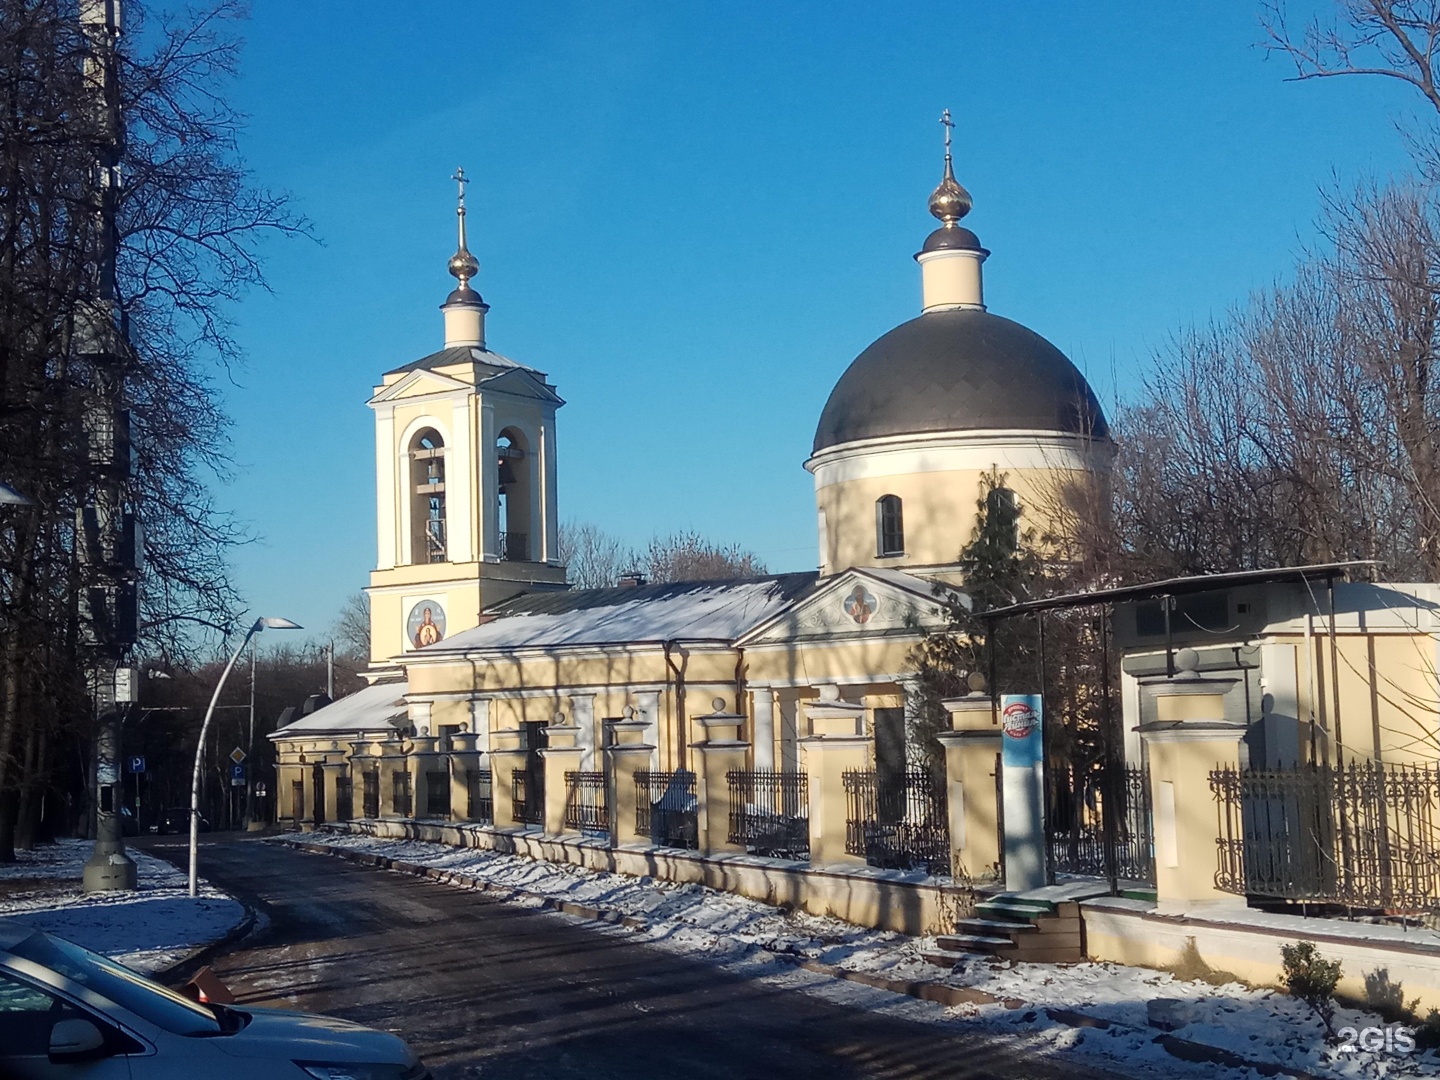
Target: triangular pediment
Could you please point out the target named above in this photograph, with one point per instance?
(858, 603)
(419, 384)
(520, 382)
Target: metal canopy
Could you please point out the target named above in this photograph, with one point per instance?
(1182, 586)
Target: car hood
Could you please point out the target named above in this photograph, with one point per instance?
(297, 1036)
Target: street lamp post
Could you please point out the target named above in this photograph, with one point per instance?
(260, 624)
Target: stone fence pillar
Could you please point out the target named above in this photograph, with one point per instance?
(332, 772)
(972, 768)
(393, 763)
(506, 755)
(626, 756)
(364, 761)
(836, 744)
(562, 754)
(1188, 739)
(464, 758)
(722, 750)
(425, 758)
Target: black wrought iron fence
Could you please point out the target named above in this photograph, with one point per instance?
(586, 807)
(400, 792)
(770, 812)
(370, 793)
(437, 793)
(481, 800)
(666, 809)
(344, 798)
(1075, 828)
(526, 805)
(899, 823)
(1362, 835)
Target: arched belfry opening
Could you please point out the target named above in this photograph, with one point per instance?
(427, 498)
(515, 491)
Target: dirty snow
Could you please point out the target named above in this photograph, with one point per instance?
(151, 929)
(764, 942)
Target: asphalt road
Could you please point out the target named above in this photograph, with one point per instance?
(486, 989)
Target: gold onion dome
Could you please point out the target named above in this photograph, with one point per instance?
(950, 202)
(463, 266)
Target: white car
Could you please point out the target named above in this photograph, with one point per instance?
(65, 1012)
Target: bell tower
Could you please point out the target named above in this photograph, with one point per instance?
(465, 480)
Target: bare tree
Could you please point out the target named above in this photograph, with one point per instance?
(593, 558)
(189, 218)
(352, 627)
(687, 556)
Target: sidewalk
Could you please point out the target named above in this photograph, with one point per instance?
(151, 930)
(1091, 1009)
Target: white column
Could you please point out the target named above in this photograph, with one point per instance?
(480, 723)
(763, 739)
(647, 708)
(550, 498)
(420, 714)
(582, 715)
(459, 455)
(386, 518)
(485, 490)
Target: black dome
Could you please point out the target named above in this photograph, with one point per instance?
(962, 370)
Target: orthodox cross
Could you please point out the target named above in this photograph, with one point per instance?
(461, 180)
(949, 124)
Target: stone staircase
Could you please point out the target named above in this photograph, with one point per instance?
(1041, 926)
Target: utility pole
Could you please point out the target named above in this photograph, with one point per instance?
(250, 750)
(330, 671)
(106, 529)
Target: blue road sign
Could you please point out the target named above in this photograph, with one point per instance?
(137, 763)
(237, 772)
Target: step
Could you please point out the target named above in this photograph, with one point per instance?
(1015, 911)
(981, 943)
(996, 927)
(1046, 943)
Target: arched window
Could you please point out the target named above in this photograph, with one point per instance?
(427, 506)
(513, 491)
(889, 526)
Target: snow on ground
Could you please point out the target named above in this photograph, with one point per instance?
(150, 929)
(756, 939)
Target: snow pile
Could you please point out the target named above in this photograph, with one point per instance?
(150, 929)
(748, 936)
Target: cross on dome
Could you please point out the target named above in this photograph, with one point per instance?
(950, 202)
(463, 265)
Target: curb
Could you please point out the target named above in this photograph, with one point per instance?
(939, 993)
(197, 959)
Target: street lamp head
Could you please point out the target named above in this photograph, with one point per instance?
(270, 622)
(10, 497)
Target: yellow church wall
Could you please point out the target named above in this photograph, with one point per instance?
(392, 596)
(939, 511)
(1389, 707)
(813, 663)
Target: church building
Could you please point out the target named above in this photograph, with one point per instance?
(476, 640)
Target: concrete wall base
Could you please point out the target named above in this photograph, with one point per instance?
(885, 899)
(1246, 944)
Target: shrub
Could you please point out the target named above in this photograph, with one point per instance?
(1312, 979)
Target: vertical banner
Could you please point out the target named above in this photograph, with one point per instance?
(1022, 756)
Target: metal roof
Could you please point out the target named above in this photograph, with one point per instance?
(964, 370)
(1182, 586)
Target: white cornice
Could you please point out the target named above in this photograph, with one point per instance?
(957, 451)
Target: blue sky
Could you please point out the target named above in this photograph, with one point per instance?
(693, 216)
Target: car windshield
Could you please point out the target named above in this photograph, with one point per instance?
(129, 989)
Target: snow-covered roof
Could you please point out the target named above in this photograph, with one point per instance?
(376, 708)
(685, 611)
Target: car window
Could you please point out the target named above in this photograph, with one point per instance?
(130, 990)
(27, 1014)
